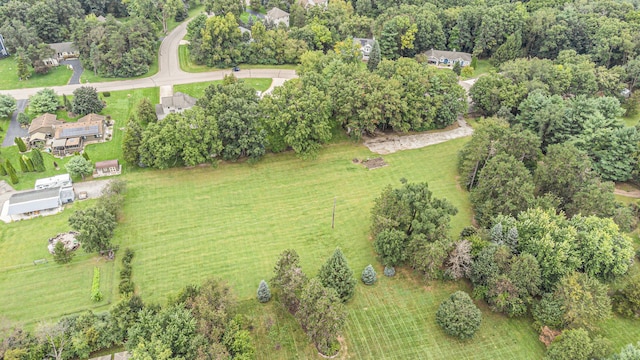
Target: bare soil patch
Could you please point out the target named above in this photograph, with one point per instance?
(388, 144)
(374, 163)
(628, 190)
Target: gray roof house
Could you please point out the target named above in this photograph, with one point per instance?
(64, 50)
(38, 202)
(277, 16)
(366, 45)
(448, 58)
(177, 103)
(3, 49)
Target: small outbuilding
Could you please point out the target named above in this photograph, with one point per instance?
(33, 203)
(107, 168)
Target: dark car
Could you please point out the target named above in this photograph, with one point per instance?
(236, 68)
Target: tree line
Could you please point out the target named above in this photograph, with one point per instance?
(231, 122)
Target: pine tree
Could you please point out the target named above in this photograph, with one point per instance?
(21, 145)
(11, 171)
(374, 57)
(369, 275)
(457, 68)
(264, 294)
(23, 165)
(85, 155)
(22, 65)
(512, 238)
(497, 235)
(61, 255)
(336, 274)
(38, 161)
(29, 163)
(131, 143)
(3, 171)
(66, 102)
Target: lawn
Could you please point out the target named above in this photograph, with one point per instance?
(9, 76)
(484, 67)
(197, 89)
(187, 65)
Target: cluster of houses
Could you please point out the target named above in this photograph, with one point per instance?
(65, 138)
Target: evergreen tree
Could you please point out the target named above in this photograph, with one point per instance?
(61, 255)
(374, 57)
(23, 165)
(131, 143)
(29, 163)
(145, 112)
(512, 239)
(369, 275)
(21, 145)
(86, 156)
(38, 161)
(11, 171)
(22, 65)
(497, 235)
(3, 171)
(336, 274)
(457, 68)
(264, 294)
(65, 101)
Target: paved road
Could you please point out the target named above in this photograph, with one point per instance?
(168, 74)
(15, 130)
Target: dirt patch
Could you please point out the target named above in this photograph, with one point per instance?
(388, 144)
(374, 163)
(628, 190)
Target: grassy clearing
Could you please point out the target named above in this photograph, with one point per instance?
(189, 66)
(197, 89)
(33, 292)
(484, 67)
(9, 80)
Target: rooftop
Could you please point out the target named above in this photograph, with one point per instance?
(276, 13)
(34, 200)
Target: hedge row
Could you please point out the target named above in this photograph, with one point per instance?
(126, 286)
(96, 294)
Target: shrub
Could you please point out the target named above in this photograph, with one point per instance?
(389, 271)
(264, 294)
(24, 119)
(627, 300)
(128, 256)
(3, 171)
(369, 275)
(38, 161)
(23, 165)
(106, 94)
(548, 312)
(29, 163)
(11, 171)
(61, 255)
(126, 287)
(571, 345)
(21, 145)
(459, 316)
(96, 294)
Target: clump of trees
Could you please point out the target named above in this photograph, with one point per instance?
(318, 309)
(409, 224)
(97, 223)
(113, 48)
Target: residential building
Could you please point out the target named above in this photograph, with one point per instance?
(27, 204)
(3, 48)
(71, 137)
(366, 45)
(311, 3)
(177, 103)
(62, 51)
(42, 128)
(277, 17)
(448, 58)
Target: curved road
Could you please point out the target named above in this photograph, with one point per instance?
(169, 72)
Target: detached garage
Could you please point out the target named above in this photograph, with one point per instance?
(31, 203)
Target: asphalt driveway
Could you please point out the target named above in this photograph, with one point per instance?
(15, 130)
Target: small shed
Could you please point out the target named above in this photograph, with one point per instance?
(107, 168)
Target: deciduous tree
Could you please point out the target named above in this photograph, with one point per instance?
(78, 165)
(95, 225)
(86, 101)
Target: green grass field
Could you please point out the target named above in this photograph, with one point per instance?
(197, 89)
(9, 76)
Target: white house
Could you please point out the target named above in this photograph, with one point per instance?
(277, 16)
(366, 45)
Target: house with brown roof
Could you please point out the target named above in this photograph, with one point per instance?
(177, 103)
(277, 17)
(448, 58)
(42, 128)
(71, 137)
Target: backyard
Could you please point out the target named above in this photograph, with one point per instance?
(9, 80)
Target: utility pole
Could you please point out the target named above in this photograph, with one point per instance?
(333, 216)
